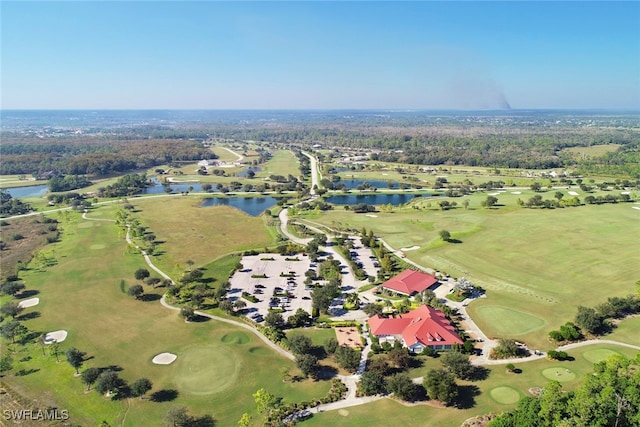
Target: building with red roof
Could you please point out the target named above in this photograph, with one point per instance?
(410, 282)
(420, 328)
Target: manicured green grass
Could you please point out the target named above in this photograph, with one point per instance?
(562, 373)
(283, 163)
(598, 354)
(627, 331)
(537, 264)
(509, 321)
(81, 294)
(506, 395)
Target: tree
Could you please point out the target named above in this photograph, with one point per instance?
(330, 345)
(489, 202)
(308, 364)
(141, 274)
(441, 385)
(11, 287)
(75, 358)
(55, 350)
(245, 420)
(445, 235)
(12, 329)
(347, 358)
(107, 382)
(403, 387)
(372, 382)
(187, 313)
(372, 309)
(536, 186)
(299, 344)
(299, 319)
(239, 304)
(458, 364)
(226, 306)
(399, 357)
(135, 291)
(265, 401)
(177, 417)
(274, 320)
(588, 319)
(11, 309)
(140, 387)
(90, 376)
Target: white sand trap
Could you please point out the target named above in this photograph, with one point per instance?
(625, 192)
(636, 207)
(164, 359)
(572, 193)
(372, 216)
(29, 302)
(55, 336)
(516, 192)
(493, 194)
(412, 248)
(385, 174)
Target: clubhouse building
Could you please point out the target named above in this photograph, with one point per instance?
(420, 328)
(410, 282)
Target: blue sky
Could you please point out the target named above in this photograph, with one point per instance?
(320, 55)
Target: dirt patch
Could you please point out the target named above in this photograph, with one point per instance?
(348, 336)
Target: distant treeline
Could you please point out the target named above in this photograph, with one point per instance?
(99, 156)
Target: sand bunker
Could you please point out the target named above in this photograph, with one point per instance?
(625, 192)
(29, 302)
(636, 207)
(164, 359)
(572, 193)
(55, 336)
(493, 194)
(372, 216)
(516, 192)
(412, 248)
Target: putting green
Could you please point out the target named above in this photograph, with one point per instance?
(598, 354)
(235, 338)
(206, 370)
(559, 373)
(505, 395)
(509, 321)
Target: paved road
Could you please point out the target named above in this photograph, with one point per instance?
(315, 180)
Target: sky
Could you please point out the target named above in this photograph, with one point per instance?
(320, 55)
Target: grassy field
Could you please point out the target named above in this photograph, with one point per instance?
(628, 330)
(592, 151)
(536, 265)
(189, 232)
(82, 295)
(498, 392)
(283, 163)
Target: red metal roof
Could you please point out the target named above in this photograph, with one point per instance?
(410, 281)
(424, 324)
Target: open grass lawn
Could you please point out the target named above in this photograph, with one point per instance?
(283, 162)
(82, 295)
(536, 265)
(500, 391)
(190, 232)
(627, 331)
(592, 151)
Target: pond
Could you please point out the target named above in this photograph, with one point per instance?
(244, 172)
(372, 199)
(30, 191)
(253, 206)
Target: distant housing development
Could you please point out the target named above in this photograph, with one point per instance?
(416, 330)
(410, 282)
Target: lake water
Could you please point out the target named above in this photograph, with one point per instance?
(372, 199)
(354, 183)
(253, 206)
(31, 191)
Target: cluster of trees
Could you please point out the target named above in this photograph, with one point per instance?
(126, 185)
(507, 348)
(595, 320)
(67, 183)
(609, 397)
(10, 206)
(567, 332)
(99, 157)
(537, 202)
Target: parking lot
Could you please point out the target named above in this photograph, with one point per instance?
(283, 286)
